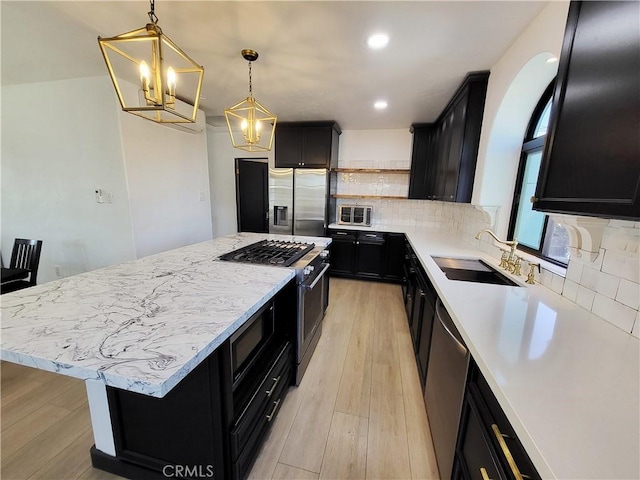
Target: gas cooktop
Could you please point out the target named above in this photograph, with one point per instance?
(270, 252)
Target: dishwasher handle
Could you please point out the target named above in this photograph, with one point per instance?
(449, 327)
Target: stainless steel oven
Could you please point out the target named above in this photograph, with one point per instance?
(313, 291)
(311, 264)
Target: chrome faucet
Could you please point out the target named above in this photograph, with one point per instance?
(511, 243)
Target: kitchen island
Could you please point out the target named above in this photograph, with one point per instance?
(142, 326)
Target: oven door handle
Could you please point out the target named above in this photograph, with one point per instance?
(317, 279)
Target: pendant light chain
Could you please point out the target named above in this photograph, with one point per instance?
(250, 86)
(152, 15)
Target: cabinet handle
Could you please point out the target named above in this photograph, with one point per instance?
(505, 450)
(371, 235)
(357, 243)
(273, 411)
(341, 233)
(422, 294)
(534, 199)
(485, 475)
(273, 387)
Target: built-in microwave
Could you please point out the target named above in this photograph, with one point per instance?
(250, 340)
(354, 215)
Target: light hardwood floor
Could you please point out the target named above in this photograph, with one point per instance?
(358, 412)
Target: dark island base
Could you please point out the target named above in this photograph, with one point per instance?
(124, 468)
(212, 424)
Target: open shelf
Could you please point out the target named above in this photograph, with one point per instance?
(371, 170)
(375, 197)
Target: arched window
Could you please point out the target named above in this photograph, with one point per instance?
(535, 231)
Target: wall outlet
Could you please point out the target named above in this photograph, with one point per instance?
(201, 196)
(103, 196)
(58, 270)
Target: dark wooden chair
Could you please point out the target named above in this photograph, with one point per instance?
(26, 255)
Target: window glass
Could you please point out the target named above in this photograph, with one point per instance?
(536, 232)
(543, 121)
(556, 242)
(529, 222)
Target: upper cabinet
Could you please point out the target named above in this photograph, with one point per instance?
(307, 144)
(444, 156)
(591, 161)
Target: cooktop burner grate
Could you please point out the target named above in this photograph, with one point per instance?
(270, 252)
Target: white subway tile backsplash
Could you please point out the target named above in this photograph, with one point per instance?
(589, 278)
(557, 283)
(607, 284)
(585, 297)
(546, 277)
(636, 326)
(574, 271)
(570, 290)
(629, 294)
(622, 264)
(614, 312)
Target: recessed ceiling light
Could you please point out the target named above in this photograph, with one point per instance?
(380, 105)
(552, 59)
(378, 40)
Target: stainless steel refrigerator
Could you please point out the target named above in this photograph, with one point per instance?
(298, 201)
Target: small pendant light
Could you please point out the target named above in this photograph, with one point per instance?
(251, 126)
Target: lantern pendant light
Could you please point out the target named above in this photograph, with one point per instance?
(251, 125)
(152, 76)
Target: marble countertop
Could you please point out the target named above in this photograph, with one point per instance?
(142, 325)
(567, 380)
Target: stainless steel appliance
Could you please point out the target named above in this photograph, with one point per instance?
(444, 391)
(250, 339)
(298, 201)
(355, 215)
(311, 264)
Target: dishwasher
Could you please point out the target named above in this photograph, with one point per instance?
(444, 390)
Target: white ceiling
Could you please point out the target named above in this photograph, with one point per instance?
(314, 63)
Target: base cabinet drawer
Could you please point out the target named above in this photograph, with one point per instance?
(259, 427)
(475, 457)
(487, 443)
(261, 400)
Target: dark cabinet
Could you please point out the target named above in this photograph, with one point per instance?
(412, 285)
(475, 456)
(185, 427)
(395, 256)
(591, 161)
(486, 441)
(367, 255)
(444, 153)
(343, 248)
(306, 144)
(423, 160)
(423, 344)
(370, 255)
(420, 306)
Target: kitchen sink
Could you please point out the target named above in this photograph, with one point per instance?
(472, 270)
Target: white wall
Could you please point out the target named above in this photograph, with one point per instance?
(61, 142)
(516, 83)
(168, 178)
(222, 157)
